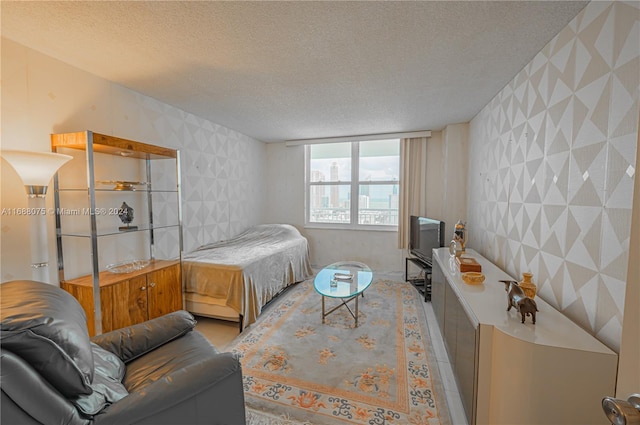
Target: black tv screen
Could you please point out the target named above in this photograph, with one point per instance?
(425, 234)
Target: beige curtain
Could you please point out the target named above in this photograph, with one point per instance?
(413, 184)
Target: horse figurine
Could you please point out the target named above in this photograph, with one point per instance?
(516, 298)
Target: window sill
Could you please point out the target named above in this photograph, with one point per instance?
(367, 228)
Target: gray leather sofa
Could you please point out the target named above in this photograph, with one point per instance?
(157, 372)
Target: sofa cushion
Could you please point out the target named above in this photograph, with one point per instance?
(47, 327)
(107, 383)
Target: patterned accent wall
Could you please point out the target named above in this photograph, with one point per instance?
(223, 184)
(222, 170)
(551, 168)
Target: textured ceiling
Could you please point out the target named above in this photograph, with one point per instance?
(295, 70)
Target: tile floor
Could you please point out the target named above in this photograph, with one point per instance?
(221, 333)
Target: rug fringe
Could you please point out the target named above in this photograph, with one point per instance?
(255, 417)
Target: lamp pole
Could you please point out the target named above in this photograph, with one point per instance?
(38, 237)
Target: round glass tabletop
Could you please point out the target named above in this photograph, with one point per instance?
(343, 279)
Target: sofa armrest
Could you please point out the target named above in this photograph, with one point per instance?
(217, 377)
(134, 341)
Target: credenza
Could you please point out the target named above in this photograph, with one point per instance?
(508, 372)
(130, 298)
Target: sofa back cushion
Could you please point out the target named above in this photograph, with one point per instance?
(47, 327)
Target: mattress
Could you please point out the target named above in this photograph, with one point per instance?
(246, 272)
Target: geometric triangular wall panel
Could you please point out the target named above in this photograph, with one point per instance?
(556, 150)
(222, 175)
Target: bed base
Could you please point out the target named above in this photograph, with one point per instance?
(222, 312)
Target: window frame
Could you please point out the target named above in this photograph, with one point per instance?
(354, 184)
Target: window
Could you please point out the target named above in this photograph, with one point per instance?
(336, 171)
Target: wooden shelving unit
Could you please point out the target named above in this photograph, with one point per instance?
(115, 300)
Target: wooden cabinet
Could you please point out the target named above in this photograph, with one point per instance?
(164, 292)
(438, 288)
(465, 346)
(119, 228)
(510, 372)
(130, 298)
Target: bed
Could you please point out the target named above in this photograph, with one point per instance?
(234, 279)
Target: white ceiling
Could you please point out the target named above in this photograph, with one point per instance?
(295, 70)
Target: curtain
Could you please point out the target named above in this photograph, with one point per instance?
(413, 185)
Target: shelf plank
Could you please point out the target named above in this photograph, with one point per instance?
(107, 278)
(111, 145)
(141, 228)
(84, 189)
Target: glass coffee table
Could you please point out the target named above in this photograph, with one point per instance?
(345, 280)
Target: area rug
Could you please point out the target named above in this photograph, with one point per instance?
(297, 370)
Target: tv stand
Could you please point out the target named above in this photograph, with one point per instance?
(422, 284)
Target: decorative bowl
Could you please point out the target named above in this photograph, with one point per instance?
(123, 185)
(128, 266)
(473, 278)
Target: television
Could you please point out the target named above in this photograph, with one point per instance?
(424, 235)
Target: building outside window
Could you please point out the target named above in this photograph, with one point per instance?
(337, 171)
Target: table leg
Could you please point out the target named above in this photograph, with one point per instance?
(323, 309)
(356, 311)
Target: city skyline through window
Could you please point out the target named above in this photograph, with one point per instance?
(371, 169)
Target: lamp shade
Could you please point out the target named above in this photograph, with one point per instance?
(35, 168)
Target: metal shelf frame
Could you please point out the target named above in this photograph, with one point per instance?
(92, 143)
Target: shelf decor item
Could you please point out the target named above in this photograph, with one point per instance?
(527, 285)
(128, 266)
(468, 264)
(123, 185)
(457, 245)
(455, 248)
(517, 299)
(473, 278)
(126, 216)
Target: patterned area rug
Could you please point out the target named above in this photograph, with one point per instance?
(298, 370)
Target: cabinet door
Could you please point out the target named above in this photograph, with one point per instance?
(165, 291)
(449, 333)
(466, 358)
(438, 284)
(84, 295)
(124, 303)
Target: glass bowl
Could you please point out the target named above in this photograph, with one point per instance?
(128, 266)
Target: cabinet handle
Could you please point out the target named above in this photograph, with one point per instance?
(143, 288)
(152, 284)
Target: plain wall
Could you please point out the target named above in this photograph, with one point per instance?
(629, 366)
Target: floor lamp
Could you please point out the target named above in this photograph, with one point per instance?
(36, 170)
